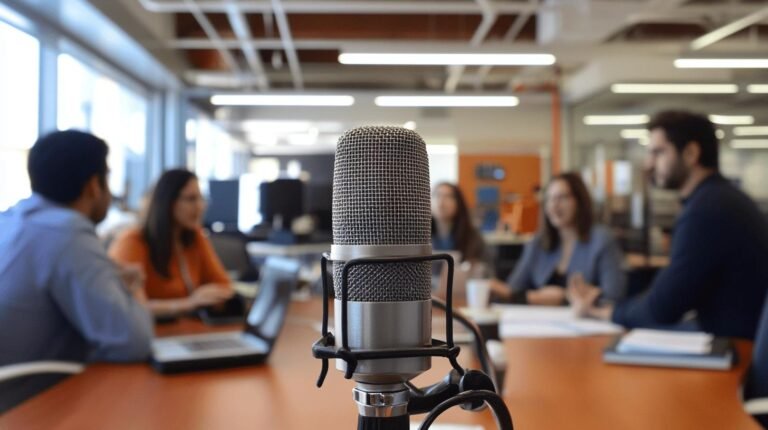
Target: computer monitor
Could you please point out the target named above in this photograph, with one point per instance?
(223, 203)
(319, 204)
(283, 198)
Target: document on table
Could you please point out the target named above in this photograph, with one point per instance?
(547, 321)
(665, 342)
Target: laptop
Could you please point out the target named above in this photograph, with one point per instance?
(252, 345)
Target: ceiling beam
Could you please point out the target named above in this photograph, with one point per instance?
(721, 33)
(243, 32)
(288, 45)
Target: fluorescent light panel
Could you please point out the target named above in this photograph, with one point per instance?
(758, 130)
(446, 101)
(757, 89)
(674, 88)
(281, 100)
(721, 63)
(446, 59)
(634, 133)
(749, 143)
(616, 119)
(732, 119)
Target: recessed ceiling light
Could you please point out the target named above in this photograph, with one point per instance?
(732, 119)
(757, 89)
(674, 88)
(281, 100)
(616, 119)
(446, 101)
(757, 130)
(721, 63)
(446, 59)
(749, 143)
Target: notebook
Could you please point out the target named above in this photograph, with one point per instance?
(661, 348)
(252, 345)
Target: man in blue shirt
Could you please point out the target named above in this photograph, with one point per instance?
(61, 298)
(719, 259)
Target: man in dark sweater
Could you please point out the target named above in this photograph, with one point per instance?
(719, 259)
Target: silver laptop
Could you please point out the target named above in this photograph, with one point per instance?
(252, 345)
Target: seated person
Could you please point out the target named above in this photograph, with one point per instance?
(183, 272)
(61, 297)
(718, 264)
(568, 245)
(452, 228)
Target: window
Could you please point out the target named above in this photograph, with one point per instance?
(91, 101)
(19, 95)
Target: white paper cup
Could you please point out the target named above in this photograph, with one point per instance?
(478, 293)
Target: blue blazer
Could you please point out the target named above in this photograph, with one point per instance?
(598, 259)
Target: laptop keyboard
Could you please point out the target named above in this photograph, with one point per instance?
(207, 345)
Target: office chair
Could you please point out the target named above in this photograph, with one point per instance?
(755, 391)
(46, 373)
(18, 370)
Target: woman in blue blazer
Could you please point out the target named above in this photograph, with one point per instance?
(569, 247)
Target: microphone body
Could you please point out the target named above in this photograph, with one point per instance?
(381, 209)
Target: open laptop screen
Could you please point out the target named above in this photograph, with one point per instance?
(279, 277)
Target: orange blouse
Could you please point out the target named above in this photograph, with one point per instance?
(203, 264)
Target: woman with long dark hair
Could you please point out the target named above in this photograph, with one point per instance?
(569, 248)
(182, 270)
(452, 228)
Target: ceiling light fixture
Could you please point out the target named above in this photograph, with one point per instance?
(749, 144)
(721, 63)
(281, 100)
(732, 119)
(757, 130)
(446, 101)
(757, 89)
(446, 59)
(674, 88)
(616, 119)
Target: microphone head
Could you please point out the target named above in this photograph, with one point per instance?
(381, 208)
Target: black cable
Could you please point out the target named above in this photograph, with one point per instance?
(480, 348)
(500, 411)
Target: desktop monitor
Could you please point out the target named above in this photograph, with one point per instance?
(283, 198)
(223, 203)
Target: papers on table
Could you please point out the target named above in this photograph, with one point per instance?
(546, 321)
(665, 342)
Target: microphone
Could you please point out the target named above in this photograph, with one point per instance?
(382, 260)
(381, 209)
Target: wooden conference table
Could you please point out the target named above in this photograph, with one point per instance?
(550, 384)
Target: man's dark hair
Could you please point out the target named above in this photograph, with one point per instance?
(682, 127)
(62, 162)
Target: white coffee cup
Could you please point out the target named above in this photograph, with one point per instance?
(478, 293)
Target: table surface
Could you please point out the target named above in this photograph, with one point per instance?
(550, 384)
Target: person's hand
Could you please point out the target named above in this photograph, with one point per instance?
(582, 296)
(209, 295)
(549, 295)
(133, 278)
(500, 290)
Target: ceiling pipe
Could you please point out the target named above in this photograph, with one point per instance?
(489, 18)
(243, 33)
(721, 33)
(213, 35)
(288, 45)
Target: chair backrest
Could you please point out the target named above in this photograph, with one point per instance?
(756, 384)
(233, 253)
(20, 381)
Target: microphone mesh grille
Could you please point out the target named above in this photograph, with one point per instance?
(381, 196)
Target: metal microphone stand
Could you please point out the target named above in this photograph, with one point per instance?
(389, 406)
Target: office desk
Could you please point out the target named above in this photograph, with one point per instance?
(550, 384)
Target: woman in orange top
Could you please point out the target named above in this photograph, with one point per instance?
(182, 270)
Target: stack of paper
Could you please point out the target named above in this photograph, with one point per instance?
(547, 321)
(665, 342)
